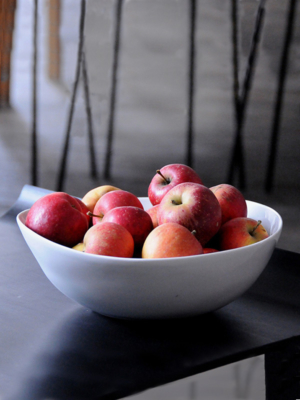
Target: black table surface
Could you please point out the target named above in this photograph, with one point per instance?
(51, 347)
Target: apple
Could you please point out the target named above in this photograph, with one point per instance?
(109, 239)
(152, 211)
(171, 240)
(90, 198)
(240, 232)
(193, 206)
(137, 221)
(232, 202)
(110, 200)
(168, 177)
(79, 247)
(60, 218)
(207, 250)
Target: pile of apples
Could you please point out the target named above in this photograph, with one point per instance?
(186, 218)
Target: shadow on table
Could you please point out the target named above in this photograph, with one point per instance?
(90, 356)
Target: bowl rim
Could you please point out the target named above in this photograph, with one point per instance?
(155, 260)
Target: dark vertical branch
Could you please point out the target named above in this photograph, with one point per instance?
(113, 95)
(89, 116)
(279, 96)
(73, 98)
(242, 101)
(235, 56)
(252, 55)
(191, 82)
(34, 148)
(236, 89)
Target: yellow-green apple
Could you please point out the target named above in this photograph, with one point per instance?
(90, 198)
(232, 201)
(60, 218)
(193, 206)
(110, 200)
(171, 240)
(79, 247)
(168, 177)
(137, 221)
(109, 239)
(240, 232)
(152, 211)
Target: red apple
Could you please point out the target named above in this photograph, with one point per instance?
(232, 202)
(60, 218)
(110, 200)
(137, 221)
(109, 239)
(152, 211)
(240, 232)
(207, 250)
(168, 177)
(90, 198)
(193, 206)
(171, 240)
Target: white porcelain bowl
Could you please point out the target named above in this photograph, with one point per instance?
(155, 288)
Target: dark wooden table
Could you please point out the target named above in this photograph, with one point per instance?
(51, 347)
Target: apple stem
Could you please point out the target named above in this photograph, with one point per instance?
(159, 173)
(254, 229)
(193, 232)
(94, 215)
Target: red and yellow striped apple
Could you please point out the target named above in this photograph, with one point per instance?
(113, 199)
(90, 198)
(171, 240)
(168, 177)
(137, 221)
(240, 232)
(193, 206)
(232, 201)
(109, 239)
(60, 218)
